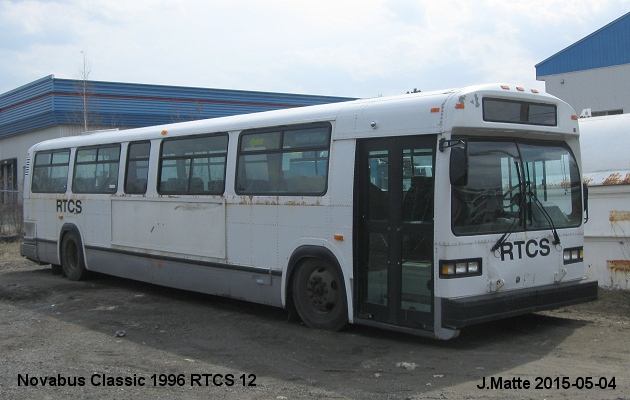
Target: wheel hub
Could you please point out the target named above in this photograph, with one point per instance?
(321, 290)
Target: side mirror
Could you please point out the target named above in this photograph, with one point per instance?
(459, 165)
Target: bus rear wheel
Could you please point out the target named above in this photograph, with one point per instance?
(319, 295)
(72, 261)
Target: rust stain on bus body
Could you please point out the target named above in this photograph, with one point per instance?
(618, 215)
(616, 179)
(275, 201)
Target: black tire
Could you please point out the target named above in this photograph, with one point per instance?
(72, 261)
(319, 295)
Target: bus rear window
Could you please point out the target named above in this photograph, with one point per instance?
(519, 112)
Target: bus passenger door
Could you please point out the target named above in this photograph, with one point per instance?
(394, 218)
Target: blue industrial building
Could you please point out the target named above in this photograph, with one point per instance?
(52, 101)
(594, 72)
(51, 107)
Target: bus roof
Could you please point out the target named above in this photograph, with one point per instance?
(414, 113)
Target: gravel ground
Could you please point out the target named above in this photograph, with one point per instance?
(111, 338)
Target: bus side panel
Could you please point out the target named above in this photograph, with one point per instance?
(256, 285)
(47, 220)
(184, 226)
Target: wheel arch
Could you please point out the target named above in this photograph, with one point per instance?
(70, 227)
(298, 256)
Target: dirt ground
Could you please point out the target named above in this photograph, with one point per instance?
(111, 338)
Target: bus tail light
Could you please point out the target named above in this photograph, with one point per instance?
(573, 255)
(460, 268)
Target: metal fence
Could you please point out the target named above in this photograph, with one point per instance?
(10, 196)
(11, 218)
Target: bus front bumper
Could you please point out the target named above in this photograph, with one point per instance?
(459, 313)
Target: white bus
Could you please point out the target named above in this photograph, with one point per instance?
(423, 213)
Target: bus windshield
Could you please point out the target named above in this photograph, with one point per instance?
(516, 186)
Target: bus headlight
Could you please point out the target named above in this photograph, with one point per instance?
(460, 268)
(573, 255)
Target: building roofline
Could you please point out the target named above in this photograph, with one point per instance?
(50, 77)
(52, 101)
(583, 39)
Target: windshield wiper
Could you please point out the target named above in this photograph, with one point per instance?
(532, 195)
(513, 226)
(520, 203)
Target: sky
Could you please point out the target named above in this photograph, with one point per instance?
(353, 48)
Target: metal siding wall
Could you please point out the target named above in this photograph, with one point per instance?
(34, 112)
(27, 125)
(32, 90)
(599, 89)
(606, 47)
(51, 101)
(120, 91)
(136, 105)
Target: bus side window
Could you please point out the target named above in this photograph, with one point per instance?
(96, 169)
(50, 172)
(418, 201)
(193, 165)
(137, 171)
(289, 160)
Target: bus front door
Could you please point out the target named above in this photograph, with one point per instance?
(394, 214)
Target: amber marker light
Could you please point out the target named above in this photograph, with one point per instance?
(338, 236)
(459, 106)
(164, 132)
(435, 109)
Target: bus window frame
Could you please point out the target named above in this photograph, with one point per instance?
(97, 162)
(161, 159)
(525, 108)
(281, 150)
(525, 224)
(50, 165)
(128, 160)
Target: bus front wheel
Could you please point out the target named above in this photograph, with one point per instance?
(319, 295)
(72, 261)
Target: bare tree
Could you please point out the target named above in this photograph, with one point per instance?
(87, 118)
(85, 74)
(181, 116)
